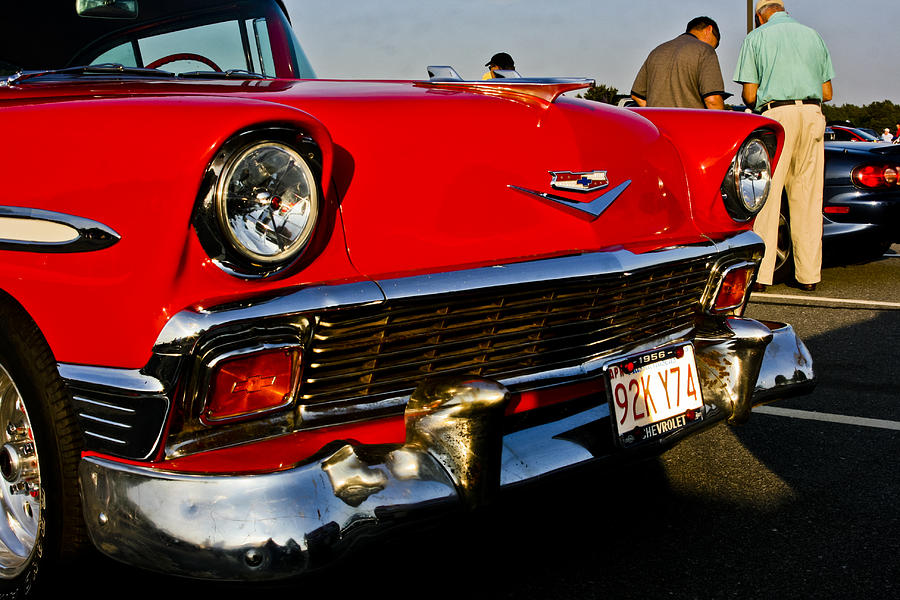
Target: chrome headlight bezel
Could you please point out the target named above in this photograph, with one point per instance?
(242, 220)
(256, 220)
(748, 181)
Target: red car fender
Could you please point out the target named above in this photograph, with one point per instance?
(134, 164)
(697, 136)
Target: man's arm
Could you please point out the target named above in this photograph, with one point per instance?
(827, 91)
(748, 93)
(639, 91)
(714, 101)
(710, 84)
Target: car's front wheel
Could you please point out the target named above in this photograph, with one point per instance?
(39, 451)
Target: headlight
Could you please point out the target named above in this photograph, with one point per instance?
(746, 185)
(260, 209)
(267, 203)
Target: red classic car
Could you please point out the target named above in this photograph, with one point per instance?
(248, 317)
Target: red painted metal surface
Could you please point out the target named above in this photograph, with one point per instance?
(421, 174)
(707, 142)
(119, 162)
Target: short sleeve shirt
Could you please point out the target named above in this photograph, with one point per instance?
(788, 60)
(680, 73)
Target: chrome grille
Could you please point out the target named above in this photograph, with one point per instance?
(497, 332)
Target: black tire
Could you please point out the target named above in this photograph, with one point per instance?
(40, 446)
(784, 254)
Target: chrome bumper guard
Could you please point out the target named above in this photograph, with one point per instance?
(456, 456)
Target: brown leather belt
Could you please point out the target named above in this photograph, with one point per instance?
(777, 103)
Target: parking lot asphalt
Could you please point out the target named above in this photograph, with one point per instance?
(801, 502)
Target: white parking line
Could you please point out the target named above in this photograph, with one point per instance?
(831, 418)
(873, 303)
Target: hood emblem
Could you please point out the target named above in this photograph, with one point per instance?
(589, 210)
(586, 181)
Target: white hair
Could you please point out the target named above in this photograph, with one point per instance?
(769, 7)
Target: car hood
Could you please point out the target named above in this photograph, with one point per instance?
(434, 178)
(428, 177)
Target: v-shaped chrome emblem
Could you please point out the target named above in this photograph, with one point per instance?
(583, 210)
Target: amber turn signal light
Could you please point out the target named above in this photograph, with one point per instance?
(733, 289)
(253, 383)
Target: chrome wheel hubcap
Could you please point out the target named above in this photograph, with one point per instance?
(20, 481)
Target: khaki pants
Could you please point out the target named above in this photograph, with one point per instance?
(800, 171)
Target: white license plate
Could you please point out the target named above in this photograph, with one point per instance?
(654, 393)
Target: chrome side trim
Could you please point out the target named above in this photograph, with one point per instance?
(130, 380)
(34, 230)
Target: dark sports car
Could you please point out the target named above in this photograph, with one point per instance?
(861, 201)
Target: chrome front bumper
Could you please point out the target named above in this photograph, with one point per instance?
(456, 456)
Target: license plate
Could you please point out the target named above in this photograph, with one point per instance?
(654, 393)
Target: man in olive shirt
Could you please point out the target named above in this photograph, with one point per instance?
(683, 72)
(786, 72)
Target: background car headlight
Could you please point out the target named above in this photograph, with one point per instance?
(747, 183)
(267, 203)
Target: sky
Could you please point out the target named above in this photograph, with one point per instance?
(605, 40)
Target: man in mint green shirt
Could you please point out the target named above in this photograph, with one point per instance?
(785, 70)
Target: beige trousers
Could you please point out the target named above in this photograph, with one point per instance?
(800, 172)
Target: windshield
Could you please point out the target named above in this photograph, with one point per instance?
(216, 47)
(198, 35)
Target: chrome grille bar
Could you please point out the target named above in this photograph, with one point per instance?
(503, 331)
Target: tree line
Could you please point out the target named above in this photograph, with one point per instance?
(877, 115)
